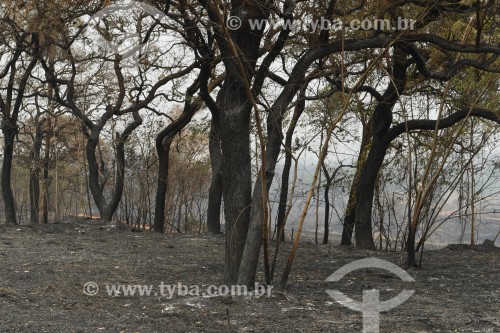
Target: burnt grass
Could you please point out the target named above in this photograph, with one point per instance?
(44, 270)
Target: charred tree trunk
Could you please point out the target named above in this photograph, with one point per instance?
(349, 217)
(285, 177)
(411, 260)
(94, 184)
(163, 151)
(34, 186)
(9, 109)
(327, 213)
(108, 209)
(215, 192)
(240, 51)
(381, 123)
(163, 142)
(373, 163)
(254, 239)
(111, 208)
(328, 186)
(236, 171)
(9, 134)
(348, 227)
(46, 181)
(365, 192)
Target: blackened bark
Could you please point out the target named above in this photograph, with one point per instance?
(34, 186)
(9, 134)
(381, 122)
(411, 260)
(285, 177)
(233, 101)
(163, 142)
(327, 213)
(254, 239)
(108, 209)
(255, 236)
(427, 124)
(348, 227)
(9, 109)
(329, 182)
(234, 110)
(46, 181)
(328, 186)
(373, 163)
(349, 218)
(365, 192)
(163, 151)
(215, 192)
(236, 171)
(119, 181)
(94, 184)
(97, 189)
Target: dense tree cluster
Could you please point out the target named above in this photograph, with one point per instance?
(165, 115)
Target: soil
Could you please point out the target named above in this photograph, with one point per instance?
(44, 268)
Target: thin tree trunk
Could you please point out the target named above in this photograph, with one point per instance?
(327, 214)
(8, 153)
(87, 186)
(10, 114)
(119, 181)
(472, 189)
(317, 196)
(215, 192)
(321, 159)
(280, 221)
(254, 239)
(46, 181)
(328, 185)
(412, 229)
(162, 144)
(163, 150)
(107, 210)
(95, 188)
(349, 218)
(34, 186)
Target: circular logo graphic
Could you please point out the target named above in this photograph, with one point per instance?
(121, 30)
(90, 288)
(371, 307)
